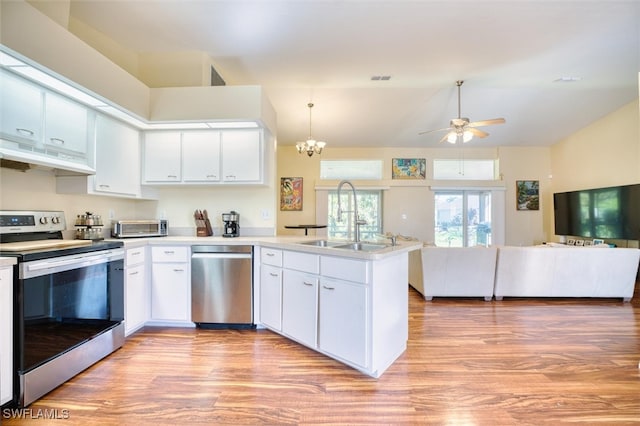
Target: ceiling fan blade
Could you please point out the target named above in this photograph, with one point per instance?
(444, 138)
(477, 132)
(487, 122)
(431, 131)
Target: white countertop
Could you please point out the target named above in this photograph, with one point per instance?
(7, 261)
(282, 242)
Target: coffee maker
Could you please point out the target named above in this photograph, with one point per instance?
(231, 224)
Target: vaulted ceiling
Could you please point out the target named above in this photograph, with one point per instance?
(548, 67)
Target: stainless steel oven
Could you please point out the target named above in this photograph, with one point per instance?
(68, 302)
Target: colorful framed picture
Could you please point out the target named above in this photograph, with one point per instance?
(291, 194)
(528, 194)
(409, 168)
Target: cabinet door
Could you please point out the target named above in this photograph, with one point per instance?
(300, 306)
(135, 299)
(271, 296)
(201, 156)
(65, 125)
(162, 157)
(117, 157)
(21, 108)
(170, 296)
(343, 320)
(6, 335)
(242, 156)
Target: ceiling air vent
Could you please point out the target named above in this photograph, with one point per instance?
(216, 80)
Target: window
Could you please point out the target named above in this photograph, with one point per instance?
(351, 169)
(369, 209)
(465, 169)
(462, 218)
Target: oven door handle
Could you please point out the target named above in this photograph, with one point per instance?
(72, 262)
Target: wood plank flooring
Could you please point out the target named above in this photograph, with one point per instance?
(517, 361)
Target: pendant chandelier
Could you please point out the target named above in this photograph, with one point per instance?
(310, 146)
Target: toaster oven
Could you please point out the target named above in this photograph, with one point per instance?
(140, 228)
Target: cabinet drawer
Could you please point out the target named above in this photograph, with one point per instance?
(170, 254)
(270, 256)
(304, 262)
(135, 256)
(345, 269)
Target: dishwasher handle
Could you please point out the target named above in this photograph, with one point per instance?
(221, 256)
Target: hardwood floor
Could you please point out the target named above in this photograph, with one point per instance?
(517, 361)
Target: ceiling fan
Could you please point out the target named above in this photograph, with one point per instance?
(460, 129)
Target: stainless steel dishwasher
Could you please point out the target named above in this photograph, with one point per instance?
(222, 286)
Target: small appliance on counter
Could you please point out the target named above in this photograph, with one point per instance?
(231, 224)
(140, 228)
(89, 227)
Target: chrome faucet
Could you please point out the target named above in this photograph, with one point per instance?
(356, 220)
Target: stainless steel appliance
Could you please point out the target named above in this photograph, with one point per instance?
(140, 228)
(222, 286)
(68, 308)
(231, 224)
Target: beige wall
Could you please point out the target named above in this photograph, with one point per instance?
(605, 153)
(409, 205)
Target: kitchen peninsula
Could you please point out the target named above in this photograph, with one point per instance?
(348, 304)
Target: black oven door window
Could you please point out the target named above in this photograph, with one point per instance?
(64, 309)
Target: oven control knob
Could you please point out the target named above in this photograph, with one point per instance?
(44, 220)
(55, 219)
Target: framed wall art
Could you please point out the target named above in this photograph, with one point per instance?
(409, 168)
(291, 194)
(528, 194)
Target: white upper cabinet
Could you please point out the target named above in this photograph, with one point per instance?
(162, 157)
(117, 157)
(42, 127)
(242, 156)
(201, 156)
(65, 128)
(20, 109)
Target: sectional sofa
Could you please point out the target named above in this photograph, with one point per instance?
(551, 270)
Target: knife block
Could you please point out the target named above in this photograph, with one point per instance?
(204, 228)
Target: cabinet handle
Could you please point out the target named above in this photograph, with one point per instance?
(134, 273)
(57, 141)
(230, 176)
(104, 186)
(270, 254)
(212, 176)
(169, 252)
(328, 288)
(307, 284)
(26, 132)
(178, 270)
(172, 176)
(273, 274)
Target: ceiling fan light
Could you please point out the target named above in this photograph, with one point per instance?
(467, 136)
(452, 137)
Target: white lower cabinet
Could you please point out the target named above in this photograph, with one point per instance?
(136, 295)
(170, 284)
(352, 310)
(300, 306)
(6, 334)
(271, 296)
(343, 320)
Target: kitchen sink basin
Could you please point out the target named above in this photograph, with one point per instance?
(321, 243)
(360, 246)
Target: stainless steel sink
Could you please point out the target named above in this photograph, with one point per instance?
(362, 246)
(321, 243)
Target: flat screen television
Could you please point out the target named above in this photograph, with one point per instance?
(606, 213)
